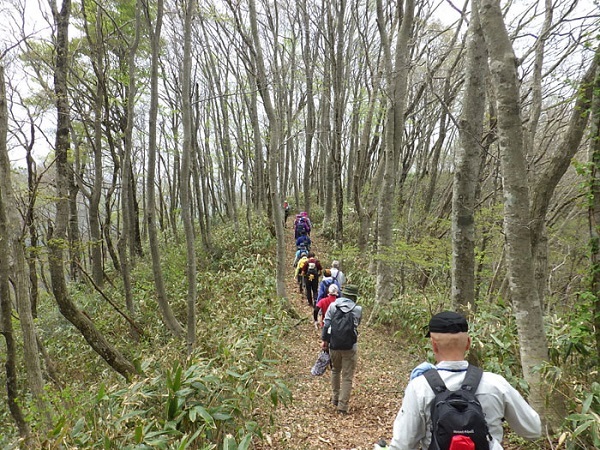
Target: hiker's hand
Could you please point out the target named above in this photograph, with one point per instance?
(324, 345)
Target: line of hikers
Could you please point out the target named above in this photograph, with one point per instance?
(447, 406)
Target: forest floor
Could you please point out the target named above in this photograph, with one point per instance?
(310, 421)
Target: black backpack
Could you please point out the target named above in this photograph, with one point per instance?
(457, 415)
(343, 333)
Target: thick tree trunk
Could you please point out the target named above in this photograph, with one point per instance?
(466, 175)
(519, 258)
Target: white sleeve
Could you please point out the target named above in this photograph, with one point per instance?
(521, 417)
(410, 424)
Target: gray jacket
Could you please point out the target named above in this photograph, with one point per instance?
(345, 304)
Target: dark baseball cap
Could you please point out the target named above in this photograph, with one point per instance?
(447, 322)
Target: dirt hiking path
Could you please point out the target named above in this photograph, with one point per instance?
(310, 422)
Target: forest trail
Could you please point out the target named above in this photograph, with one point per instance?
(310, 421)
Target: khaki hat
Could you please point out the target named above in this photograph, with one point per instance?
(350, 291)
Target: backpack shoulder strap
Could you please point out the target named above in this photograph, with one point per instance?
(472, 379)
(435, 381)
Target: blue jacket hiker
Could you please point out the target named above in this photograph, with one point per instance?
(303, 241)
(327, 281)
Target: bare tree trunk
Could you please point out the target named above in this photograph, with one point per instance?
(6, 328)
(259, 175)
(397, 78)
(96, 191)
(254, 43)
(360, 174)
(339, 106)
(186, 198)
(200, 181)
(519, 258)
(30, 223)
(536, 88)
(309, 63)
(159, 282)
(466, 174)
(57, 236)
(274, 148)
(17, 251)
(126, 243)
(546, 181)
(594, 212)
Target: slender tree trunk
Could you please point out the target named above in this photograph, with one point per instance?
(200, 180)
(339, 106)
(309, 63)
(126, 243)
(6, 328)
(259, 176)
(159, 282)
(519, 258)
(466, 175)
(273, 147)
(57, 235)
(397, 78)
(360, 173)
(96, 193)
(16, 249)
(186, 198)
(536, 84)
(30, 223)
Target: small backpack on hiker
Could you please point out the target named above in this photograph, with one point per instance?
(457, 419)
(342, 330)
(312, 271)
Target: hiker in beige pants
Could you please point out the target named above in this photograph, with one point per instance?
(341, 340)
(342, 372)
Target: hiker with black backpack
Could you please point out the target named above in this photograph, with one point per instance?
(340, 336)
(454, 405)
(311, 270)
